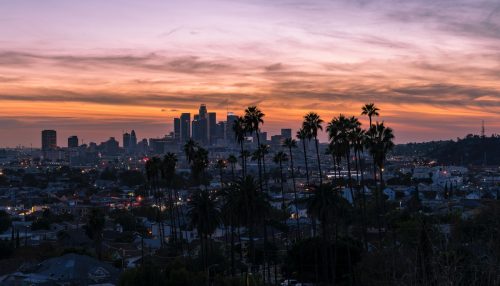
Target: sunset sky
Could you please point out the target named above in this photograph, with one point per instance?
(94, 68)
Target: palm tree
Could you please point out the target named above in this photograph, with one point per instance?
(253, 205)
(371, 110)
(312, 123)
(221, 165)
(232, 160)
(342, 135)
(168, 167)
(279, 158)
(190, 148)
(245, 154)
(153, 171)
(263, 151)
(94, 228)
(199, 165)
(230, 212)
(381, 142)
(256, 156)
(205, 217)
(168, 172)
(330, 150)
(240, 129)
(359, 141)
(302, 136)
(323, 206)
(290, 143)
(153, 166)
(259, 155)
(253, 120)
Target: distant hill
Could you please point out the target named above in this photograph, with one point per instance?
(471, 150)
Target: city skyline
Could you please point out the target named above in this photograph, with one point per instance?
(130, 140)
(93, 69)
(168, 128)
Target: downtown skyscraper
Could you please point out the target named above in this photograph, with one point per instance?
(49, 140)
(204, 128)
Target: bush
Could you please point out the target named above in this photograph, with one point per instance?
(5, 221)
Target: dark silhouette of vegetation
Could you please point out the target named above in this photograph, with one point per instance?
(5, 221)
(470, 150)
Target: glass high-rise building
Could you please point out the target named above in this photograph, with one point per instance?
(286, 133)
(133, 140)
(73, 142)
(231, 118)
(212, 127)
(126, 141)
(49, 140)
(177, 129)
(203, 111)
(185, 127)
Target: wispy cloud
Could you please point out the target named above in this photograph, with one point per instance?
(436, 60)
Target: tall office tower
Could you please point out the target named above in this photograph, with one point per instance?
(133, 141)
(196, 132)
(231, 118)
(185, 127)
(177, 129)
(126, 141)
(220, 133)
(203, 111)
(204, 131)
(286, 133)
(262, 137)
(202, 128)
(212, 127)
(73, 142)
(49, 140)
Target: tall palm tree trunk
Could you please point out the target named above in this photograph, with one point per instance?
(178, 214)
(305, 160)
(295, 193)
(356, 160)
(243, 161)
(320, 174)
(264, 173)
(262, 166)
(334, 167)
(259, 162)
(349, 175)
(363, 194)
(282, 190)
(173, 229)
